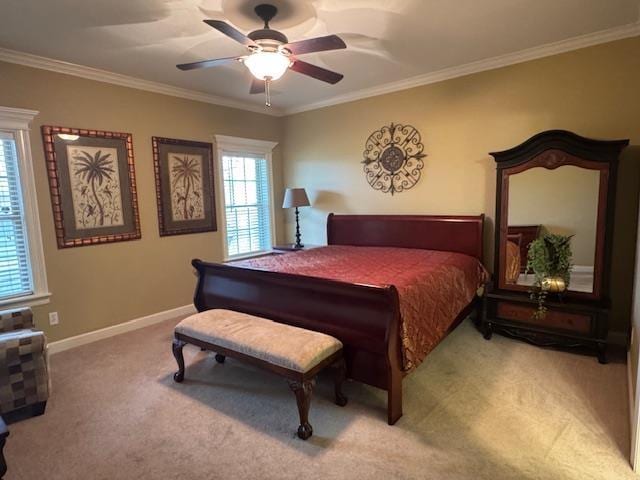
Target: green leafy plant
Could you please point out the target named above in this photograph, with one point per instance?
(548, 256)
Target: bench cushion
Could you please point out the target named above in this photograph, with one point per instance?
(276, 343)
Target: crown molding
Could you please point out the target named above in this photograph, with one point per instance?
(563, 46)
(547, 50)
(90, 73)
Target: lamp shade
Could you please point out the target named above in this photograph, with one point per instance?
(295, 197)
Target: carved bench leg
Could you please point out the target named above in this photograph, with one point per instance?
(219, 357)
(176, 347)
(340, 375)
(303, 392)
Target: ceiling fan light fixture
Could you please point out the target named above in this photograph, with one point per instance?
(267, 64)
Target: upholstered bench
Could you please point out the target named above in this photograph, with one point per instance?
(291, 352)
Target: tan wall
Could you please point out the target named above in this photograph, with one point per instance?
(593, 92)
(103, 285)
(634, 350)
(564, 201)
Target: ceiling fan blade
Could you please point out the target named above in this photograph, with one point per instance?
(257, 86)
(318, 44)
(207, 63)
(316, 72)
(231, 32)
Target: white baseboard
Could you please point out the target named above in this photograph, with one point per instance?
(582, 269)
(136, 323)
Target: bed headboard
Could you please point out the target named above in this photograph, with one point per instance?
(462, 234)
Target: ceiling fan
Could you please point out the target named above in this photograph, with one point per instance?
(270, 53)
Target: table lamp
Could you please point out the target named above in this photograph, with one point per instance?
(296, 197)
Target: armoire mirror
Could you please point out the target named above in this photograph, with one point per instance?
(563, 201)
(555, 183)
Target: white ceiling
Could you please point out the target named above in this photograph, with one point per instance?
(387, 40)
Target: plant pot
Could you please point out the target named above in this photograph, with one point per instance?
(553, 284)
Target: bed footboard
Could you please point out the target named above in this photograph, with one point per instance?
(364, 318)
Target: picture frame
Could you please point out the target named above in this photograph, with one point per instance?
(185, 186)
(92, 184)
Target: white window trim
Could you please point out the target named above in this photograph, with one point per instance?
(18, 120)
(227, 144)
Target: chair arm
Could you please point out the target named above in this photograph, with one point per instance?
(23, 370)
(19, 319)
(15, 345)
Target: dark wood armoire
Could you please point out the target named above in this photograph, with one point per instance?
(562, 183)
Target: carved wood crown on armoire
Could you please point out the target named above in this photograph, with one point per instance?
(555, 183)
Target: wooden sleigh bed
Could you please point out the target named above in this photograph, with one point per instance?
(366, 318)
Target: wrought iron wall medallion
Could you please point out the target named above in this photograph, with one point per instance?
(393, 158)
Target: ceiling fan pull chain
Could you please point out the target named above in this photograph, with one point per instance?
(267, 90)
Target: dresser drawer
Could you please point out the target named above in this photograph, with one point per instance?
(517, 312)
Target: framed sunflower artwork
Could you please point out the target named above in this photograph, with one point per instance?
(92, 184)
(184, 186)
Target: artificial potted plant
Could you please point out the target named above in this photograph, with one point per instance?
(549, 258)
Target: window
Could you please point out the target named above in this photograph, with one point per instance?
(22, 276)
(247, 206)
(15, 268)
(248, 202)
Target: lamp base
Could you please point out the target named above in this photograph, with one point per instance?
(298, 236)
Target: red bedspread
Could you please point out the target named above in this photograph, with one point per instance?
(434, 287)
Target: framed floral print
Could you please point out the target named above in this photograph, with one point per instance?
(184, 186)
(93, 186)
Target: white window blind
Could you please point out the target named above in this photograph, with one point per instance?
(15, 269)
(247, 203)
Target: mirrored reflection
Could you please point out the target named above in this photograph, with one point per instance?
(563, 201)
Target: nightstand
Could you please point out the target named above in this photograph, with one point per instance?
(291, 247)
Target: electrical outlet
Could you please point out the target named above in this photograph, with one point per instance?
(53, 318)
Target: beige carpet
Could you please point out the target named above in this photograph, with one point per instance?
(473, 410)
